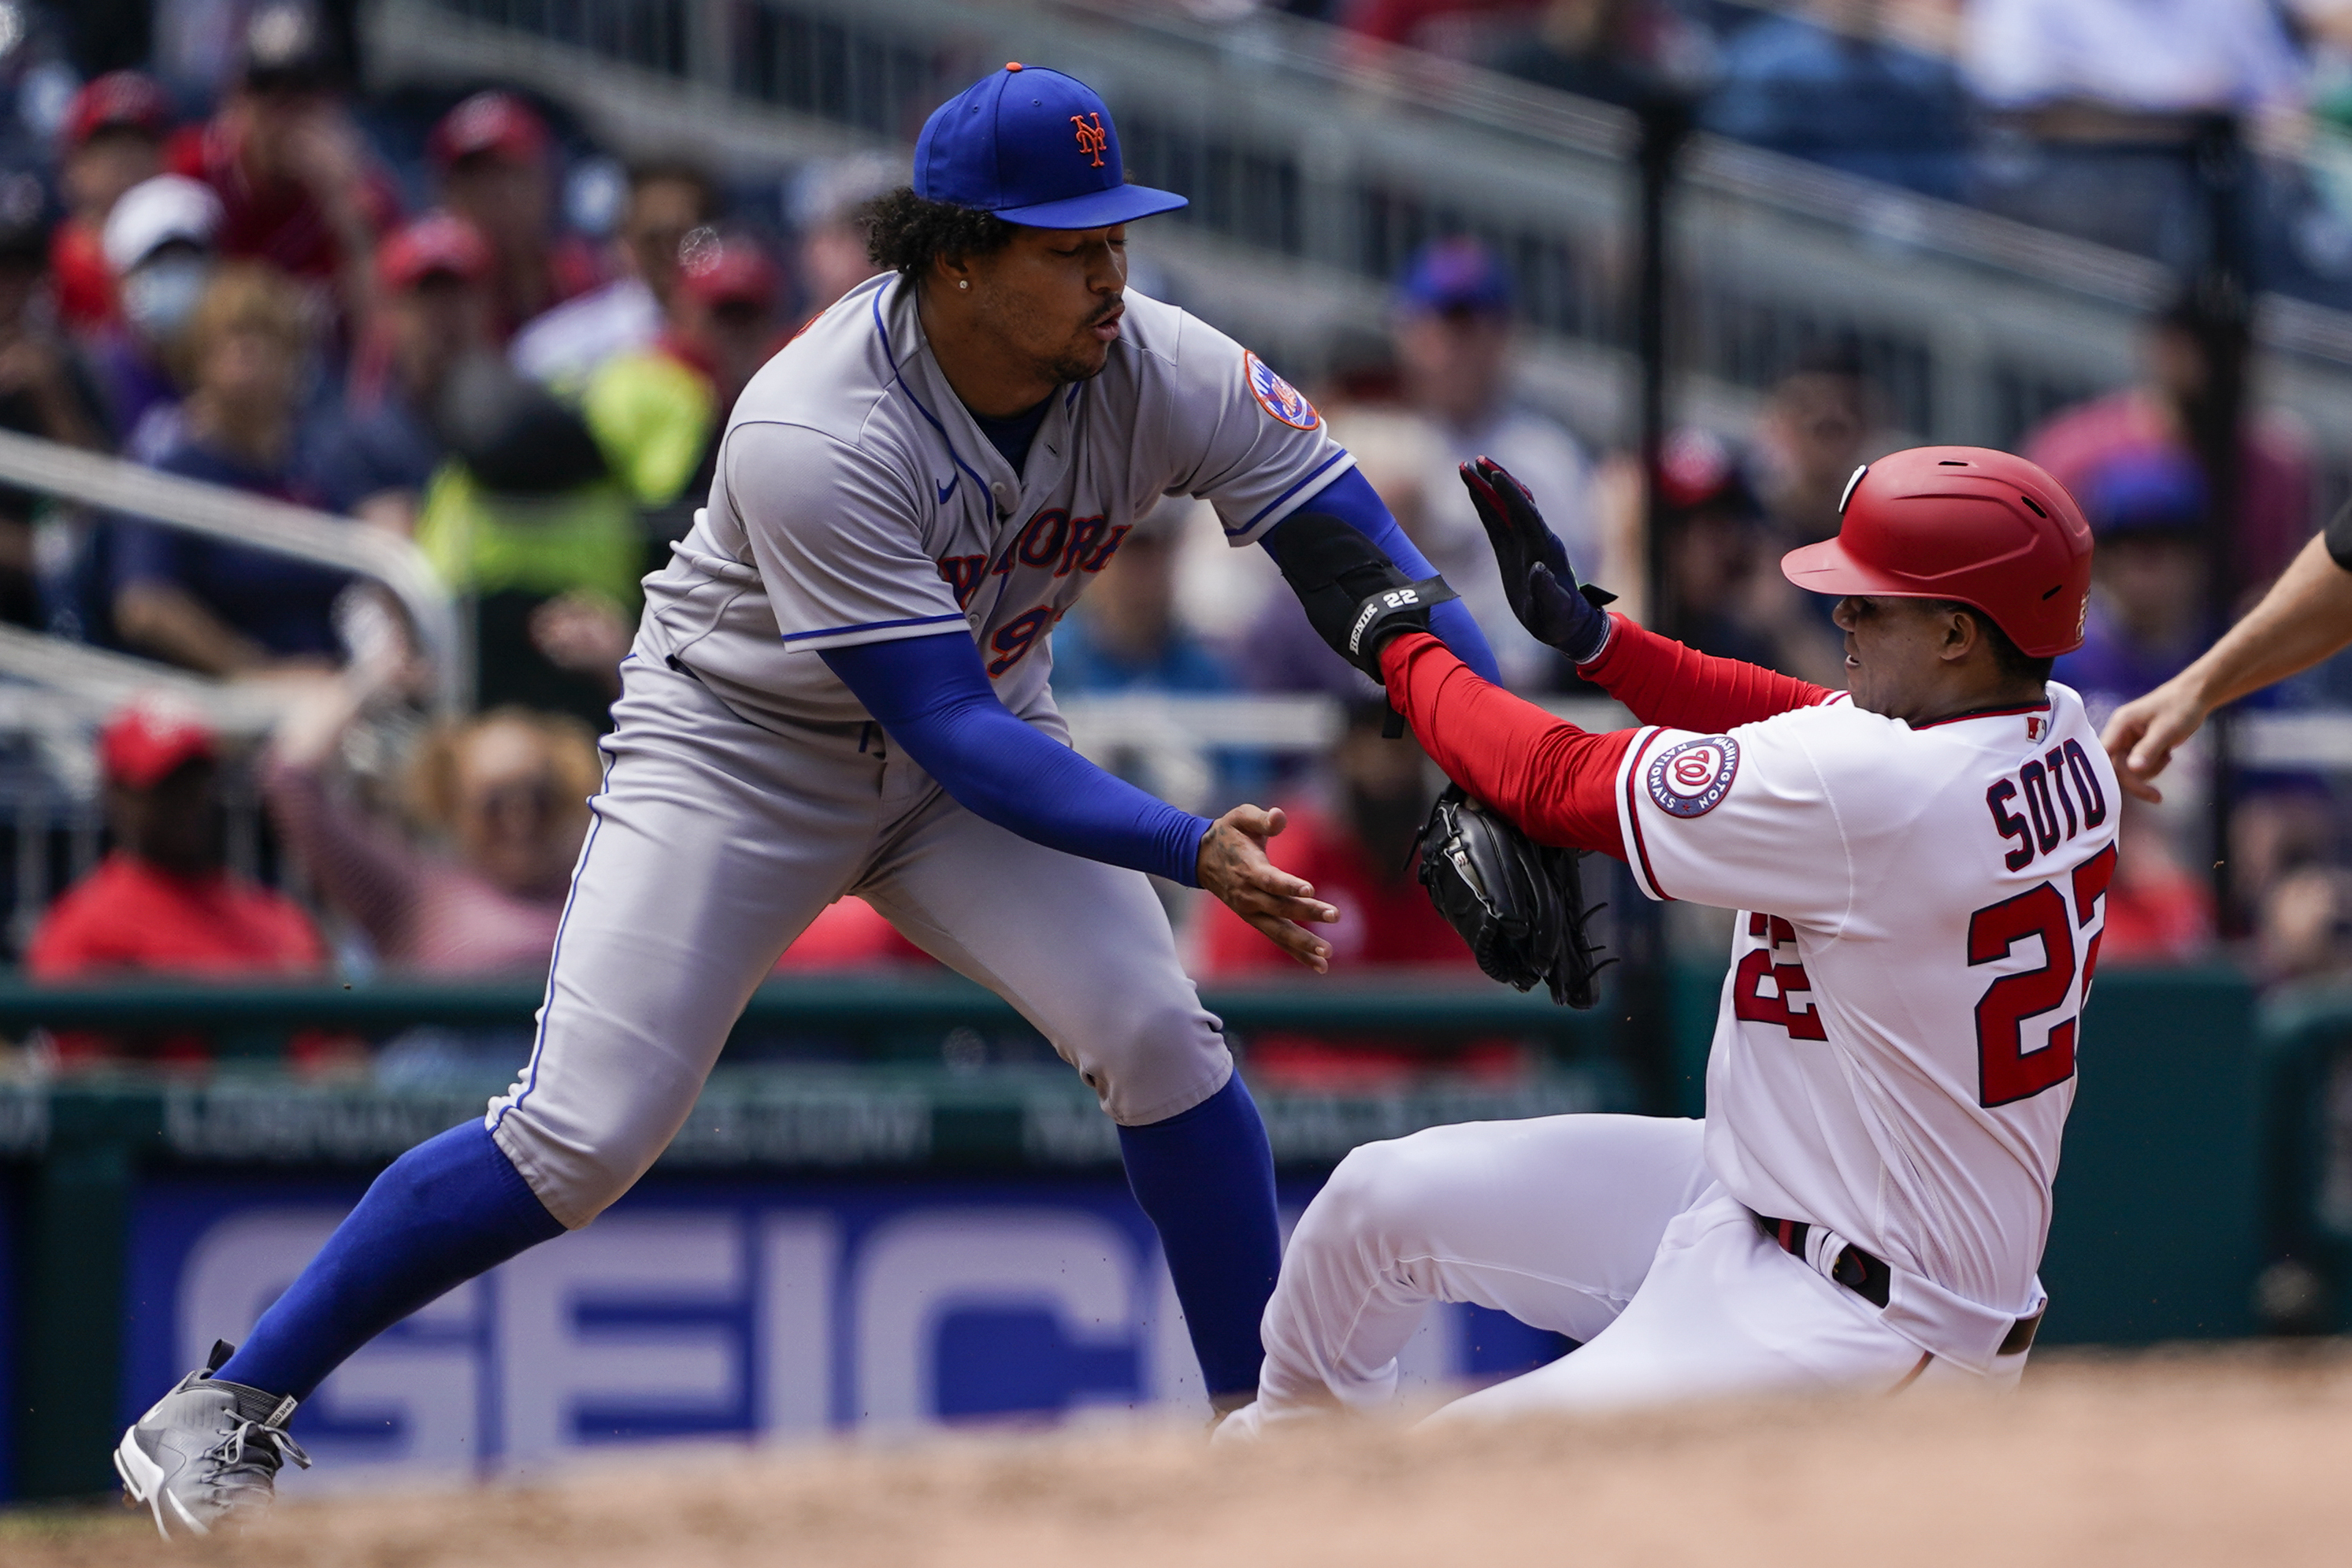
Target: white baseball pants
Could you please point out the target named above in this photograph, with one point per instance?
(1608, 1230)
(715, 842)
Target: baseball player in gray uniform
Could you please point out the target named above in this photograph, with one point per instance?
(841, 687)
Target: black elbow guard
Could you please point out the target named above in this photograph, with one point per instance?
(2338, 536)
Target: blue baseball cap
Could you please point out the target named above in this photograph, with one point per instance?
(1457, 273)
(1034, 147)
(2144, 490)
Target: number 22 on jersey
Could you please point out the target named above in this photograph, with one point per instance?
(2005, 1071)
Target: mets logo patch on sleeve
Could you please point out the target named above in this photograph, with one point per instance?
(1277, 396)
(1691, 780)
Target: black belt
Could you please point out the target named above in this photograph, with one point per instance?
(1871, 1279)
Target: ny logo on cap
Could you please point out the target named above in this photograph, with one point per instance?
(1092, 137)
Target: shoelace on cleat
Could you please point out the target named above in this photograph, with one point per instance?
(276, 1442)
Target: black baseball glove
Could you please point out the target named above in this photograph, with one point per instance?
(1354, 596)
(1519, 905)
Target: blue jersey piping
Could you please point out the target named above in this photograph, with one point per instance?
(899, 377)
(1304, 480)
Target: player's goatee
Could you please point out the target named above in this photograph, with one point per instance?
(1088, 363)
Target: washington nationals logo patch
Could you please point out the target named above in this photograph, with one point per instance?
(1277, 396)
(1691, 780)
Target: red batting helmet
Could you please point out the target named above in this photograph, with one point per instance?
(1985, 528)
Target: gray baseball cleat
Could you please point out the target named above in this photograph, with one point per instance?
(207, 1453)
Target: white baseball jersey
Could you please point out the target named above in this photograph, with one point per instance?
(857, 501)
(1922, 908)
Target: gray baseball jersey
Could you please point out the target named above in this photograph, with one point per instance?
(857, 501)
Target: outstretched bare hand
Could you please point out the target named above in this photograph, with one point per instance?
(2142, 735)
(1235, 867)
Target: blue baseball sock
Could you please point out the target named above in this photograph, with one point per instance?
(1206, 1178)
(446, 1210)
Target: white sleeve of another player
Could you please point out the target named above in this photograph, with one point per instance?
(1242, 438)
(1745, 820)
(838, 540)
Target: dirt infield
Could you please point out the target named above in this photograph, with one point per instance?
(2207, 1458)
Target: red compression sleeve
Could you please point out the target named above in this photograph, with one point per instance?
(1666, 682)
(1555, 781)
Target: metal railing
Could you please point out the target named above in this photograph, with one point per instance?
(1172, 745)
(90, 479)
(55, 693)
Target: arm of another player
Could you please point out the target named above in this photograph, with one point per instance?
(835, 537)
(1551, 778)
(1243, 439)
(1662, 681)
(931, 697)
(2305, 617)
(1555, 781)
(1561, 784)
(1351, 498)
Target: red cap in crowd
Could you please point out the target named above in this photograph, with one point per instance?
(438, 242)
(719, 268)
(126, 99)
(1697, 468)
(142, 745)
(496, 123)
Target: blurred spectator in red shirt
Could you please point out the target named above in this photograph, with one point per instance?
(112, 138)
(163, 900)
(495, 162)
(667, 201)
(504, 799)
(2274, 477)
(1355, 847)
(298, 187)
(848, 933)
(2159, 911)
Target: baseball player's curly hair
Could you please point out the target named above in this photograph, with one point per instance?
(906, 233)
(2012, 660)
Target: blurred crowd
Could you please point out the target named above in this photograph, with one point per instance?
(1728, 502)
(2069, 114)
(454, 320)
(461, 322)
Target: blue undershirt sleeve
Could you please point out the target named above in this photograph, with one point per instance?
(932, 698)
(1351, 498)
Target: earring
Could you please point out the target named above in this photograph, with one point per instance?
(964, 282)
